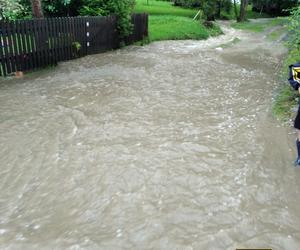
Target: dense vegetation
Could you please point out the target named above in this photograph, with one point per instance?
(287, 97)
(211, 8)
(122, 9)
(274, 7)
(214, 8)
(56, 8)
(10, 9)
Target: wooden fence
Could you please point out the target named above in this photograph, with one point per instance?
(31, 44)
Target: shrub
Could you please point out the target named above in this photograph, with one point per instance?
(122, 9)
(9, 9)
(294, 29)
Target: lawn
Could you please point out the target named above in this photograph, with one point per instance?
(163, 8)
(176, 27)
(168, 22)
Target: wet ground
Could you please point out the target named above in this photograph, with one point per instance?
(167, 146)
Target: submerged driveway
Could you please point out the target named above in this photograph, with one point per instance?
(167, 146)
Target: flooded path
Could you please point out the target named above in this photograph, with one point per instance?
(167, 146)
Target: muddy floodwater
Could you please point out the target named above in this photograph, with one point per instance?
(167, 146)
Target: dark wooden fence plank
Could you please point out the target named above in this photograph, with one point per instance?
(70, 32)
(49, 42)
(29, 44)
(45, 30)
(14, 44)
(3, 70)
(11, 43)
(21, 52)
(65, 37)
(55, 40)
(6, 50)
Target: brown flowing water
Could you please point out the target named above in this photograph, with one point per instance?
(167, 146)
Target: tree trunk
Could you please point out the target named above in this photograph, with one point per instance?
(37, 10)
(235, 10)
(244, 4)
(218, 13)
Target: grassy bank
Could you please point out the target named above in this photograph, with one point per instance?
(287, 97)
(178, 28)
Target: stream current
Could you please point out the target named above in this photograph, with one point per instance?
(167, 146)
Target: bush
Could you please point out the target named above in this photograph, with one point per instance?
(294, 29)
(188, 3)
(287, 97)
(9, 9)
(275, 7)
(54, 8)
(122, 9)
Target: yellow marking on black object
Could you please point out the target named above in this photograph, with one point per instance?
(296, 74)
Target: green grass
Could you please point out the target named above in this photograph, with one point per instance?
(168, 22)
(261, 26)
(163, 8)
(276, 34)
(286, 97)
(178, 28)
(166, 8)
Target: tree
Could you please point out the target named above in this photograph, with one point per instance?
(235, 10)
(37, 10)
(225, 5)
(209, 9)
(274, 7)
(243, 8)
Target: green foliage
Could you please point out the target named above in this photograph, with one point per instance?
(54, 8)
(122, 9)
(287, 97)
(209, 9)
(76, 46)
(294, 29)
(274, 7)
(10, 9)
(285, 100)
(188, 3)
(249, 13)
